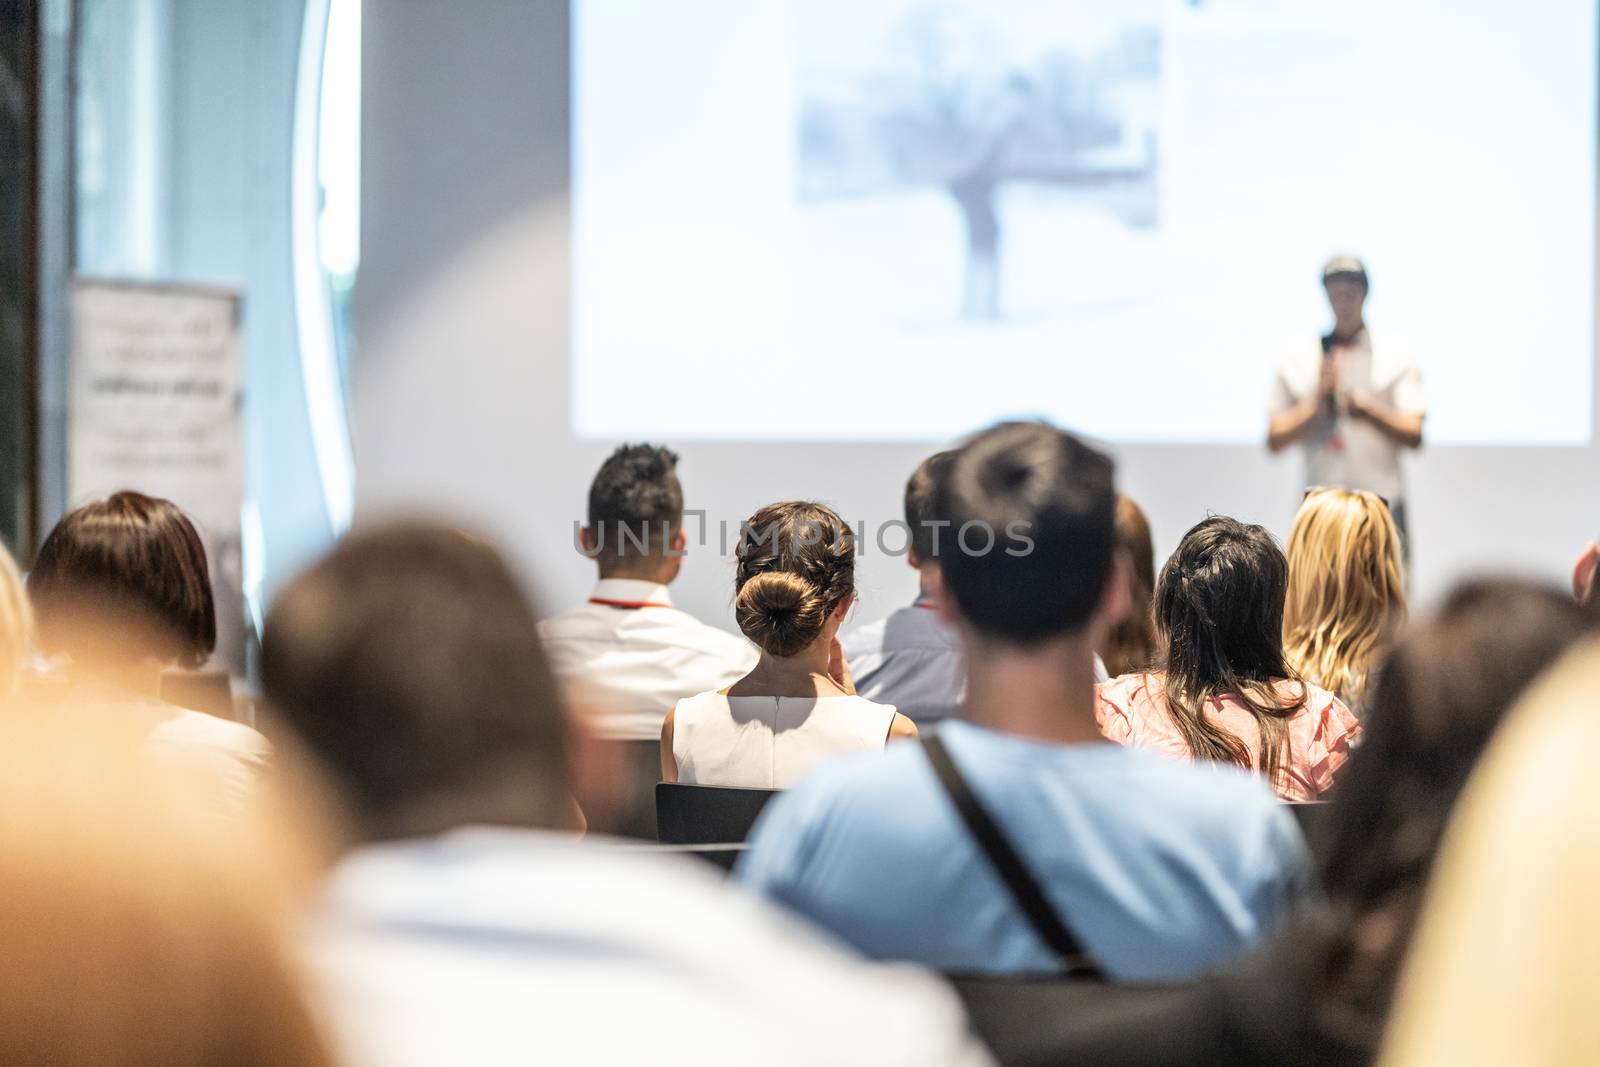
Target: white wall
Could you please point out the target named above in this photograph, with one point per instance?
(461, 382)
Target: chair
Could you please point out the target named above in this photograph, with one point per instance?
(705, 814)
(1033, 1022)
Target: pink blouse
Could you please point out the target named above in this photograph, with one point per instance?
(1132, 710)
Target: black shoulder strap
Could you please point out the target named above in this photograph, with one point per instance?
(1023, 886)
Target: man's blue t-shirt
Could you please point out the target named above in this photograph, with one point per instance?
(1163, 869)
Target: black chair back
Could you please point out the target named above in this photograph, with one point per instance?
(1041, 1022)
(706, 814)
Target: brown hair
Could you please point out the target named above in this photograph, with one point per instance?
(926, 540)
(409, 660)
(796, 565)
(1132, 643)
(125, 575)
(141, 927)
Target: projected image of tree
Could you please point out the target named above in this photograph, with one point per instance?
(973, 121)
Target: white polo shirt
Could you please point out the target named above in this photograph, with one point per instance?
(1343, 451)
(628, 656)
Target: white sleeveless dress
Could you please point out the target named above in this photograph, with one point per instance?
(770, 742)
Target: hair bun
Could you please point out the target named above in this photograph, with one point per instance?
(780, 611)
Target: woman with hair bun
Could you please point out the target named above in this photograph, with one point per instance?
(794, 585)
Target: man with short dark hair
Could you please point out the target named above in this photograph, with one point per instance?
(469, 926)
(1159, 869)
(912, 659)
(627, 655)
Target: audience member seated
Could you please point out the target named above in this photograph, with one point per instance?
(1225, 692)
(627, 655)
(1161, 870)
(16, 628)
(139, 928)
(1347, 594)
(1132, 644)
(912, 659)
(1507, 953)
(122, 592)
(1320, 990)
(794, 583)
(470, 926)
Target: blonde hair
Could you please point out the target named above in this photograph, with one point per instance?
(141, 924)
(1346, 592)
(1507, 957)
(16, 625)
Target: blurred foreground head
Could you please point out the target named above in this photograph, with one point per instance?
(141, 925)
(409, 662)
(1507, 956)
(124, 581)
(1447, 686)
(16, 626)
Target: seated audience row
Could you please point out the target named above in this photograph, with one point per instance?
(1016, 839)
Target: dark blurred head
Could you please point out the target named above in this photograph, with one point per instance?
(795, 577)
(928, 539)
(1447, 684)
(410, 663)
(1219, 610)
(1132, 644)
(635, 510)
(1031, 535)
(125, 579)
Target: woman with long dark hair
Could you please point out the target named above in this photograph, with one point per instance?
(1224, 691)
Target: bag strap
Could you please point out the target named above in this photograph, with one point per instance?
(1007, 864)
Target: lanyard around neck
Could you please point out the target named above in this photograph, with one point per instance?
(627, 605)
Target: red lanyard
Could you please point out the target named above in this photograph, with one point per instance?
(627, 605)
